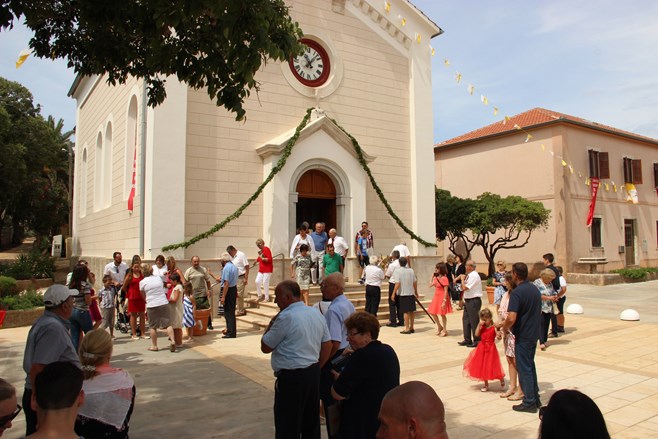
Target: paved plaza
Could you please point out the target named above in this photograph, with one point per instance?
(224, 387)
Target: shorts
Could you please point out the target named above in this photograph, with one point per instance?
(407, 303)
(560, 304)
(364, 260)
(159, 317)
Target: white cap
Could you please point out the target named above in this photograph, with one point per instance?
(57, 294)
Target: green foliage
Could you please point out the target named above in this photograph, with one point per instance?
(28, 300)
(34, 183)
(494, 222)
(635, 273)
(276, 169)
(8, 286)
(217, 44)
(28, 266)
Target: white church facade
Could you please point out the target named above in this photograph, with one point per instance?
(193, 164)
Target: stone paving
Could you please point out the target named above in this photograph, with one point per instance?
(224, 387)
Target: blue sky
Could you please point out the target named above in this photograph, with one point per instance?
(593, 59)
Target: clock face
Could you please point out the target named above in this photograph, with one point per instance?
(312, 67)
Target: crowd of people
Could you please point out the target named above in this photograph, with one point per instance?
(322, 356)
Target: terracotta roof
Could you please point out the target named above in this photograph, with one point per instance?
(531, 119)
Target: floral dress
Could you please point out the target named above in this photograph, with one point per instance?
(303, 266)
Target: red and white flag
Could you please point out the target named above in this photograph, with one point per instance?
(594, 184)
(131, 197)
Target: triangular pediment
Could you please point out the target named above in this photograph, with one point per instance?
(319, 122)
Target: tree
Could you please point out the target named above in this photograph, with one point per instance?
(490, 221)
(452, 214)
(34, 167)
(217, 44)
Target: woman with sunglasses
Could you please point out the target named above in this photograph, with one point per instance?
(371, 369)
(9, 407)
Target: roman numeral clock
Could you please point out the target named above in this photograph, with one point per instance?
(311, 67)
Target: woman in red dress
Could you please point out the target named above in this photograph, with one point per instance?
(483, 363)
(441, 303)
(136, 303)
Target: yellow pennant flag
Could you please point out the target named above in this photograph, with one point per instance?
(432, 50)
(458, 77)
(446, 62)
(506, 119)
(471, 89)
(527, 139)
(403, 20)
(387, 7)
(587, 181)
(614, 186)
(516, 126)
(495, 111)
(484, 99)
(571, 169)
(418, 37)
(580, 175)
(22, 56)
(607, 187)
(564, 163)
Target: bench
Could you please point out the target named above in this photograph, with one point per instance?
(593, 262)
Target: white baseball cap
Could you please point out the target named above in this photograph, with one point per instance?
(57, 294)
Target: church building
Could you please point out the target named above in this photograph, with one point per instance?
(148, 177)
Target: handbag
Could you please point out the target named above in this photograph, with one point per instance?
(455, 291)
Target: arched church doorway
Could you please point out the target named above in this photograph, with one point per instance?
(316, 199)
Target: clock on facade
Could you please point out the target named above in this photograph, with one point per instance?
(312, 67)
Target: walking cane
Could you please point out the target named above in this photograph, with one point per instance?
(428, 314)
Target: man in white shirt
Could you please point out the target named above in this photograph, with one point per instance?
(404, 252)
(242, 263)
(395, 316)
(472, 287)
(340, 245)
(116, 269)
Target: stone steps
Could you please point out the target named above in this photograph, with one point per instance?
(259, 314)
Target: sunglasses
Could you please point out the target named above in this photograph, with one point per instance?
(7, 419)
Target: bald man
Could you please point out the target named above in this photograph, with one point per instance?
(412, 410)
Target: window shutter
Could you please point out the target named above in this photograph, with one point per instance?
(627, 171)
(592, 162)
(604, 166)
(637, 171)
(655, 175)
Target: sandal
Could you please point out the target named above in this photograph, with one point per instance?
(154, 349)
(443, 334)
(507, 394)
(515, 397)
(172, 347)
(484, 389)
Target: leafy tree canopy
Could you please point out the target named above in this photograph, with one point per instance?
(33, 165)
(218, 44)
(492, 222)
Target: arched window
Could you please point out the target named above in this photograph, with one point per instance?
(82, 182)
(98, 173)
(107, 167)
(131, 147)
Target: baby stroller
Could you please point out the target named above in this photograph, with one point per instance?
(123, 320)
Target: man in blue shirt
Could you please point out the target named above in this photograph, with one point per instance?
(320, 239)
(229, 285)
(524, 317)
(299, 341)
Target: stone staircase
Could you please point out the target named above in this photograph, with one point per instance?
(259, 314)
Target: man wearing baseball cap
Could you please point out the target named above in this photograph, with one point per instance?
(48, 341)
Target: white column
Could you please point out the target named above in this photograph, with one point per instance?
(165, 172)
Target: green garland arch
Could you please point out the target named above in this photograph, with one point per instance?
(277, 168)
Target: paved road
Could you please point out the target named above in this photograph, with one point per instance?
(610, 300)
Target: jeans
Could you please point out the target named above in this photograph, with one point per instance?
(80, 321)
(525, 365)
(471, 318)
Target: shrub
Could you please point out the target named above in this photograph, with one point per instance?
(8, 286)
(635, 273)
(28, 300)
(29, 265)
